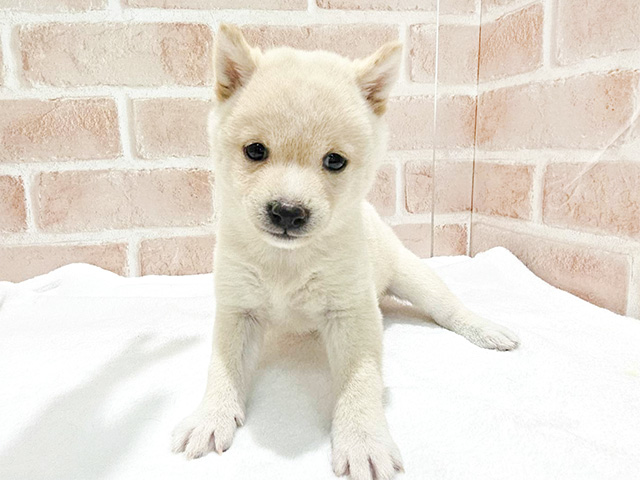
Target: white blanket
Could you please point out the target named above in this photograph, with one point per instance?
(96, 369)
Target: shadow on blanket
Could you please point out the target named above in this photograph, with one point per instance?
(69, 440)
(290, 406)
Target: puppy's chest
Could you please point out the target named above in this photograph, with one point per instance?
(292, 302)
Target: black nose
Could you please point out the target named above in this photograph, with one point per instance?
(287, 215)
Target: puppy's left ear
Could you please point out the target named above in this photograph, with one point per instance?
(235, 61)
(377, 74)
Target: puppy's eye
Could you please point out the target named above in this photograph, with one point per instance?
(256, 152)
(334, 162)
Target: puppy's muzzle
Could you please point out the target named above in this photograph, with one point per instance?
(288, 216)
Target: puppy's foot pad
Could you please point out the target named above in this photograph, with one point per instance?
(206, 430)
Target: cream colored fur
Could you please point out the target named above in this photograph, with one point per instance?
(302, 105)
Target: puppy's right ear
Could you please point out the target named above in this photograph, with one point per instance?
(234, 61)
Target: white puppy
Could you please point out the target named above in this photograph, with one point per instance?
(297, 139)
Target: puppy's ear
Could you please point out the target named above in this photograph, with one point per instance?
(234, 61)
(376, 75)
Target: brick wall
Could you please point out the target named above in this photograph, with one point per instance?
(104, 155)
(557, 174)
(103, 107)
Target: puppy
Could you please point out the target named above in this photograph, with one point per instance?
(297, 138)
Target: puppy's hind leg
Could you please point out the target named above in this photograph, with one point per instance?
(414, 281)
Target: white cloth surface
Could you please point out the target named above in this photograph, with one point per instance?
(96, 370)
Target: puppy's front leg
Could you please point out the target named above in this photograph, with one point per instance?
(361, 443)
(236, 341)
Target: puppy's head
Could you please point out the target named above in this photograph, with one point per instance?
(297, 136)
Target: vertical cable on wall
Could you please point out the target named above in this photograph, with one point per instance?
(433, 133)
(475, 133)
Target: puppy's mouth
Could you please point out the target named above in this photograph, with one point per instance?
(282, 235)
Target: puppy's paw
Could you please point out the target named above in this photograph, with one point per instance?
(491, 335)
(208, 429)
(365, 455)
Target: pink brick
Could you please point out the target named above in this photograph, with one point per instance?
(70, 129)
(594, 275)
(460, 7)
(410, 122)
(512, 44)
(422, 53)
(453, 186)
(171, 127)
(586, 111)
(602, 197)
(378, 4)
(416, 237)
(177, 256)
(449, 239)
(446, 6)
(383, 193)
(116, 54)
(458, 53)
(18, 263)
(53, 5)
(97, 200)
(491, 5)
(503, 190)
(218, 4)
(357, 40)
(456, 122)
(596, 28)
(627, 145)
(13, 213)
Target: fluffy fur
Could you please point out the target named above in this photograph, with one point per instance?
(328, 280)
